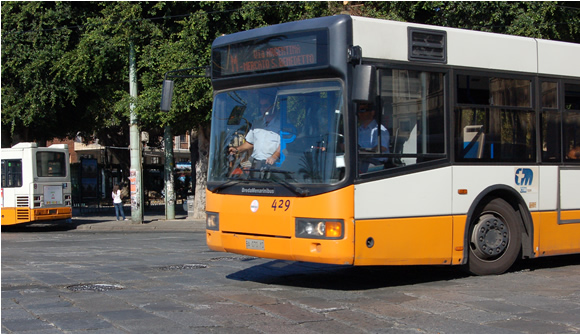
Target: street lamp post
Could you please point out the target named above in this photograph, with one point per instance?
(166, 97)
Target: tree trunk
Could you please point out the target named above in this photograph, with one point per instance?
(201, 172)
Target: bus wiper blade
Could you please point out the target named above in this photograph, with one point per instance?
(266, 175)
(227, 184)
(297, 190)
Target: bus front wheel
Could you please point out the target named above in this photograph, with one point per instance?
(495, 239)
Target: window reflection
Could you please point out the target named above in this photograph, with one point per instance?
(496, 122)
(305, 123)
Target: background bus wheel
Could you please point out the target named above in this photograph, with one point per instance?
(495, 239)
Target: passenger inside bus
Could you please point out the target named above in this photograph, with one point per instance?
(368, 139)
(574, 153)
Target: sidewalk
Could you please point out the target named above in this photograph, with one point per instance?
(154, 220)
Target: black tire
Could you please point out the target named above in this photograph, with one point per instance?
(495, 239)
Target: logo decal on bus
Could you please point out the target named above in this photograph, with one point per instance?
(255, 205)
(524, 178)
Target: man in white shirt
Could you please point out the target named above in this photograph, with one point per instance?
(264, 136)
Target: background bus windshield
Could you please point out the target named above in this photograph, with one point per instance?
(301, 125)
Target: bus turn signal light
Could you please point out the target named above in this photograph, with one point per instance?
(333, 229)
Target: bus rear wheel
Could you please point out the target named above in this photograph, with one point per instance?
(495, 239)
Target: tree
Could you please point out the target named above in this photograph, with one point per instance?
(37, 102)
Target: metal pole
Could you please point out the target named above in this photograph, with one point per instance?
(166, 96)
(135, 175)
(168, 172)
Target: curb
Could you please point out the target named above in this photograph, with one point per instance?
(102, 224)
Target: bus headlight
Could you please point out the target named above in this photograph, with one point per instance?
(212, 221)
(319, 228)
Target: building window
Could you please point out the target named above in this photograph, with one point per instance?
(183, 142)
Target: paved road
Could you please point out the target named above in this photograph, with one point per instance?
(137, 280)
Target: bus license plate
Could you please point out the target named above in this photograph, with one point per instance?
(255, 244)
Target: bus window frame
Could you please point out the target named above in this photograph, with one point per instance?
(63, 163)
(439, 159)
(534, 84)
(6, 174)
(314, 189)
(564, 111)
(549, 110)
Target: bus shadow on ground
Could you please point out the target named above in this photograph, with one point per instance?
(346, 278)
(548, 262)
(53, 226)
(350, 278)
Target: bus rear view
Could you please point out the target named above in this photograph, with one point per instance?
(36, 184)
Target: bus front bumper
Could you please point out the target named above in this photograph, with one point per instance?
(340, 252)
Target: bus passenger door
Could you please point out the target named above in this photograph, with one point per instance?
(560, 230)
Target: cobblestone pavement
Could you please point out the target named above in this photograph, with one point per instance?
(164, 280)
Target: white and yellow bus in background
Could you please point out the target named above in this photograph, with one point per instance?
(36, 184)
(480, 133)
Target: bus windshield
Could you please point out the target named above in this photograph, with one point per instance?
(296, 132)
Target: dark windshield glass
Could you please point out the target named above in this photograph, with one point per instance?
(295, 131)
(50, 164)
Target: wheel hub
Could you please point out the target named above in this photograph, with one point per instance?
(490, 237)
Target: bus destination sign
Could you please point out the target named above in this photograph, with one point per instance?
(274, 53)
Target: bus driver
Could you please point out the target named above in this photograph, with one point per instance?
(368, 136)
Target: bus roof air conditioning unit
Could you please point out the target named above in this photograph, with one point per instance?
(427, 45)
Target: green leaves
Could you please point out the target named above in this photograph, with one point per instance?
(65, 64)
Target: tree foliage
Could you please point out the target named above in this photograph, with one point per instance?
(37, 102)
(65, 64)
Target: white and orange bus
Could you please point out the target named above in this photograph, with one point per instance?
(36, 185)
(480, 157)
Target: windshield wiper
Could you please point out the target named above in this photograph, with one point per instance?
(296, 190)
(230, 182)
(265, 176)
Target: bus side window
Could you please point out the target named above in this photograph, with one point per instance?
(495, 118)
(12, 173)
(550, 122)
(571, 123)
(412, 105)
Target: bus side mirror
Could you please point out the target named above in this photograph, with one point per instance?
(364, 84)
(166, 95)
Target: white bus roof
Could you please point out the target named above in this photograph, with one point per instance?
(23, 145)
(383, 39)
